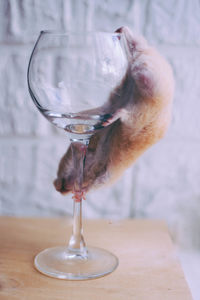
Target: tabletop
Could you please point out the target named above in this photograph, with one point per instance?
(148, 266)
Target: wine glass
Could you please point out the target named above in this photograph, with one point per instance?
(71, 76)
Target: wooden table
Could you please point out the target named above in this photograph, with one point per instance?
(148, 268)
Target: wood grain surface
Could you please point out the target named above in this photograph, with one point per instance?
(148, 268)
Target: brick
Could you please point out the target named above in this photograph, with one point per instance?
(18, 114)
(27, 172)
(78, 15)
(26, 18)
(186, 66)
(111, 15)
(173, 22)
(167, 187)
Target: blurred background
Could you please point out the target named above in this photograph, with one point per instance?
(165, 182)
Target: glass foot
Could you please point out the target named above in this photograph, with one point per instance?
(61, 263)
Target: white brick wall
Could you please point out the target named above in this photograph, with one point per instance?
(31, 147)
(165, 182)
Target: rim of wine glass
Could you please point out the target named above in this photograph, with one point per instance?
(79, 33)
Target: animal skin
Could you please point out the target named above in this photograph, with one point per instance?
(140, 112)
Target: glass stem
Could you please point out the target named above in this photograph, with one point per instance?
(76, 242)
